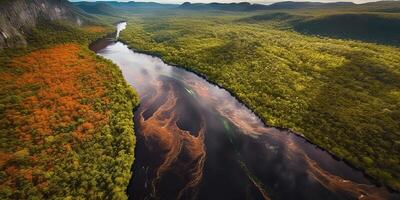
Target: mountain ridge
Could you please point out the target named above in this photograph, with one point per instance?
(246, 6)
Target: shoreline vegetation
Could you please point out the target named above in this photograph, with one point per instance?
(66, 118)
(177, 48)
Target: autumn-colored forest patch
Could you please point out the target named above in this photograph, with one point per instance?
(55, 111)
(62, 83)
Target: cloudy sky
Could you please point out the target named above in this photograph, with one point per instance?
(229, 1)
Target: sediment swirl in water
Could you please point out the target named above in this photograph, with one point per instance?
(161, 127)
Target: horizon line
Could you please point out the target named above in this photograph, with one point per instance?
(227, 2)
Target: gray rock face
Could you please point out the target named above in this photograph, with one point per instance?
(17, 17)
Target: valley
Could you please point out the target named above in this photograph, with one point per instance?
(149, 100)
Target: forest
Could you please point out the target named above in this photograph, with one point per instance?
(342, 95)
(66, 118)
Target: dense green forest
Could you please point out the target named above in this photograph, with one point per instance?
(342, 95)
(66, 118)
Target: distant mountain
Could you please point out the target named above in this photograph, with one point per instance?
(145, 5)
(245, 6)
(19, 16)
(101, 8)
(274, 16)
(301, 5)
(115, 8)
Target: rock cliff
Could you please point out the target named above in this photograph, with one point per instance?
(18, 17)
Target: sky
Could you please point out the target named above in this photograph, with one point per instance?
(229, 1)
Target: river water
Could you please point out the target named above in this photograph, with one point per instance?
(196, 141)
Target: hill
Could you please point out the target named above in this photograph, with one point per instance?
(245, 6)
(380, 6)
(116, 8)
(376, 28)
(100, 8)
(139, 5)
(377, 22)
(308, 5)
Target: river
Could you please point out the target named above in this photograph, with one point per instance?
(196, 141)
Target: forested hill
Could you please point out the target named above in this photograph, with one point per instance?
(100, 8)
(132, 5)
(18, 17)
(369, 27)
(245, 6)
(113, 8)
(300, 5)
(377, 22)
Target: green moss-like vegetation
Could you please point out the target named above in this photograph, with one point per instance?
(66, 119)
(342, 95)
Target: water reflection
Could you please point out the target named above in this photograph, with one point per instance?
(195, 141)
